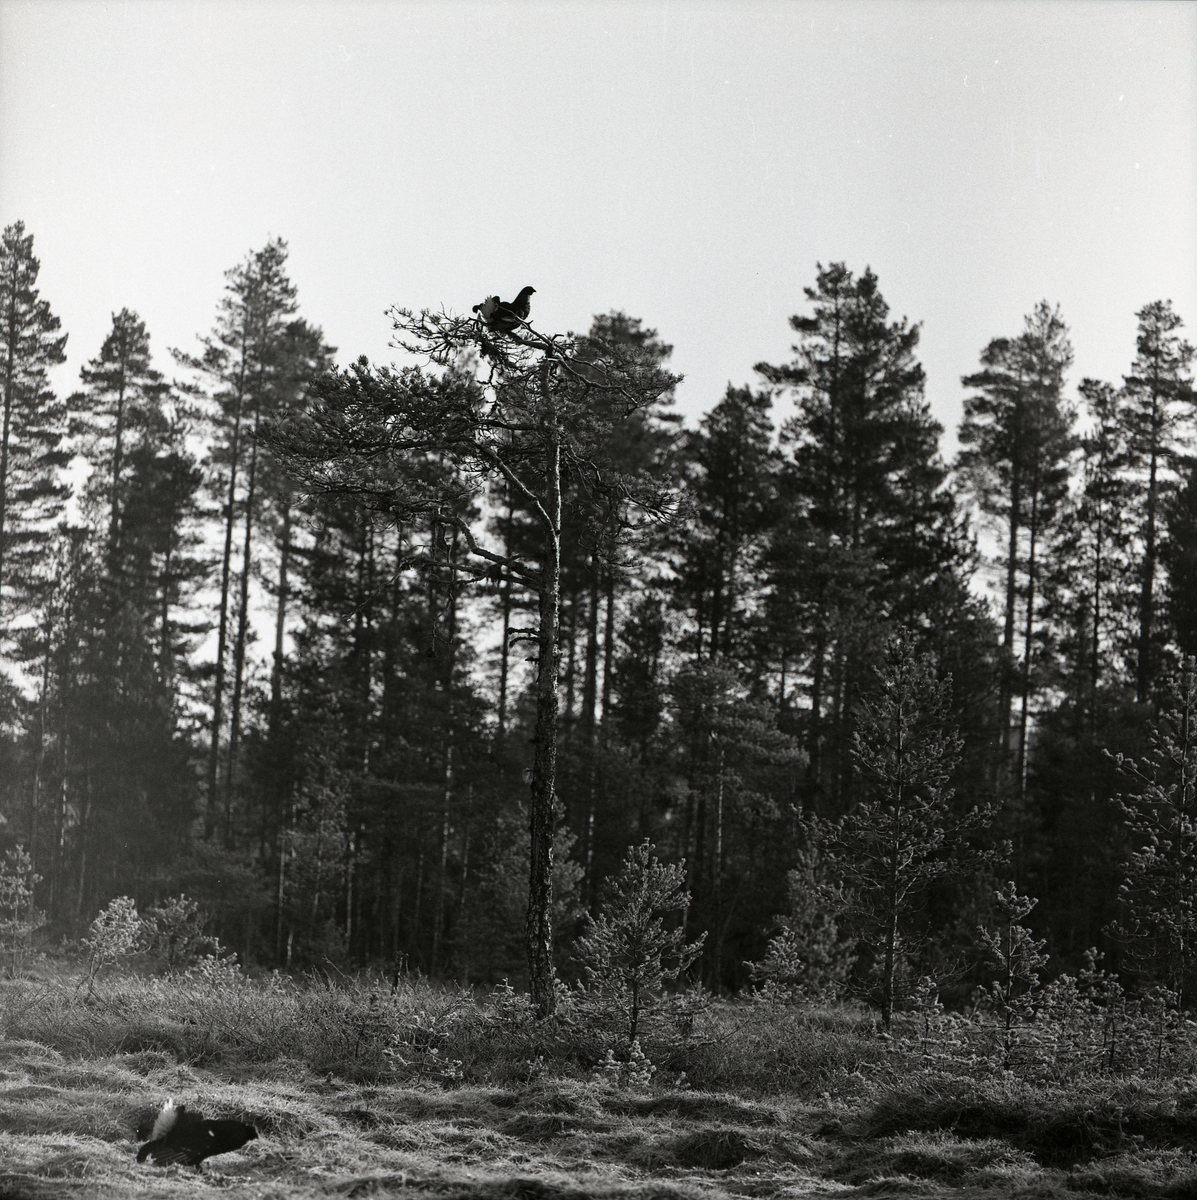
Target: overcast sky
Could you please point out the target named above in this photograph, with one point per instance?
(686, 162)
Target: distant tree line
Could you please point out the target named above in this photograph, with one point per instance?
(308, 701)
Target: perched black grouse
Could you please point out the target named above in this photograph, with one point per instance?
(503, 316)
(179, 1136)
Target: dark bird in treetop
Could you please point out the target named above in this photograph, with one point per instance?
(502, 316)
(179, 1136)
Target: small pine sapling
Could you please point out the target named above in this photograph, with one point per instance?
(808, 956)
(175, 930)
(626, 951)
(1106, 996)
(903, 835)
(929, 1009)
(18, 917)
(1016, 957)
(113, 935)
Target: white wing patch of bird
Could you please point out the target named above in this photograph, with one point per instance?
(179, 1136)
(502, 316)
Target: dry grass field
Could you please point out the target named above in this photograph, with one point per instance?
(360, 1092)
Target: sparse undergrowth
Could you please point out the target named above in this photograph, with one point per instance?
(358, 1091)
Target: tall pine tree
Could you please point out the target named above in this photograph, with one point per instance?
(33, 422)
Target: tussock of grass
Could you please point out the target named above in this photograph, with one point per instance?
(714, 1149)
(1166, 1175)
(697, 1106)
(1059, 1126)
(939, 1157)
(541, 1126)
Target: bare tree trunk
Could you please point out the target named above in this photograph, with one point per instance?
(242, 630)
(222, 625)
(569, 717)
(12, 338)
(280, 891)
(608, 640)
(1095, 666)
(719, 876)
(815, 737)
(504, 650)
(43, 710)
(1147, 593)
(1005, 695)
(350, 865)
(542, 814)
(280, 619)
(589, 704)
(443, 868)
(1028, 641)
(114, 519)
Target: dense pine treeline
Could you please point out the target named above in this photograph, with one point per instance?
(312, 710)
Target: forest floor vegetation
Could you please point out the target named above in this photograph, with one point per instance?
(358, 1088)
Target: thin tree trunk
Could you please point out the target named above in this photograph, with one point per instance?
(319, 860)
(814, 738)
(12, 340)
(443, 866)
(114, 520)
(242, 630)
(504, 650)
(719, 875)
(280, 891)
(465, 871)
(1006, 698)
(569, 718)
(414, 940)
(1028, 642)
(589, 703)
(590, 667)
(608, 639)
(1147, 595)
(222, 626)
(84, 826)
(280, 620)
(541, 809)
(165, 650)
(1095, 666)
(447, 789)
(350, 865)
(43, 708)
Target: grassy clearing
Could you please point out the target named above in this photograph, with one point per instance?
(360, 1092)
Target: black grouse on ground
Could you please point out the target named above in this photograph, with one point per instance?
(502, 316)
(183, 1137)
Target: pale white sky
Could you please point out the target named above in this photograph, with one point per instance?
(687, 162)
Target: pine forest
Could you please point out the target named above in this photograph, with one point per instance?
(454, 667)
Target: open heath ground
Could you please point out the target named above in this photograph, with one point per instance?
(361, 1090)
